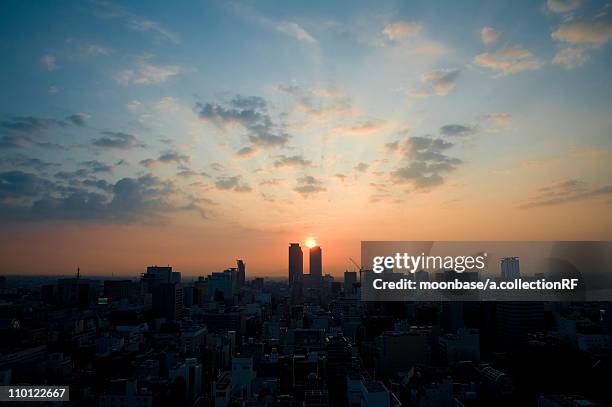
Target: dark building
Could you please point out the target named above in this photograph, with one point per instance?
(350, 282)
(516, 319)
(168, 300)
(124, 290)
(296, 263)
(77, 291)
(241, 273)
(316, 265)
(339, 361)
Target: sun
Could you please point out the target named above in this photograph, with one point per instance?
(311, 242)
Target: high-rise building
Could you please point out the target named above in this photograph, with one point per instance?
(296, 263)
(510, 268)
(168, 300)
(220, 285)
(350, 282)
(241, 272)
(161, 274)
(316, 265)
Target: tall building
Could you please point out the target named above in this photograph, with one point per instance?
(350, 281)
(220, 285)
(316, 265)
(160, 274)
(168, 300)
(510, 268)
(296, 263)
(241, 272)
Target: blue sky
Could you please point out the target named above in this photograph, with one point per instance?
(237, 125)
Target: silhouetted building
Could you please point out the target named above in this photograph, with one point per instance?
(220, 285)
(296, 263)
(316, 266)
(241, 272)
(168, 300)
(350, 282)
(515, 319)
(510, 268)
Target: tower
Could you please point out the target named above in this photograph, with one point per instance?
(296, 263)
(241, 272)
(316, 265)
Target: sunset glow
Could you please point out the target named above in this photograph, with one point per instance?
(311, 242)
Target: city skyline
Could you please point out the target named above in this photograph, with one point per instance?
(193, 133)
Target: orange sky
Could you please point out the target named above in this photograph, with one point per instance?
(199, 250)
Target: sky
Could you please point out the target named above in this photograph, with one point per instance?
(195, 133)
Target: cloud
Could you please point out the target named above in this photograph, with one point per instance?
(361, 167)
(271, 181)
(402, 30)
(427, 162)
(252, 114)
(292, 161)
(117, 140)
(508, 60)
(294, 30)
(217, 167)
(562, 6)
(23, 161)
(458, 130)
(105, 9)
(489, 35)
(95, 50)
(166, 158)
(570, 58)
(30, 124)
(593, 32)
(134, 105)
(392, 146)
(96, 166)
(439, 82)
(570, 190)
(285, 27)
(23, 131)
(246, 152)
(89, 49)
(49, 62)
(309, 185)
(28, 197)
(78, 119)
(19, 184)
(234, 183)
(500, 119)
(320, 103)
(146, 25)
(147, 74)
(361, 128)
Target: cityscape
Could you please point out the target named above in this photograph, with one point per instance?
(308, 340)
(267, 203)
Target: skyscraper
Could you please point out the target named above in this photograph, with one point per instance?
(296, 263)
(350, 280)
(316, 265)
(241, 272)
(510, 268)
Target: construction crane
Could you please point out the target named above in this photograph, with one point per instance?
(358, 268)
